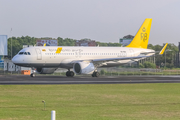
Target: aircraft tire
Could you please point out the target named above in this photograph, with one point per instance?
(93, 75)
(68, 73)
(32, 75)
(71, 74)
(97, 74)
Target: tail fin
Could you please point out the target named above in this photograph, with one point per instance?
(142, 36)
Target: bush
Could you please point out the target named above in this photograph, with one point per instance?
(102, 72)
(149, 65)
(169, 65)
(141, 65)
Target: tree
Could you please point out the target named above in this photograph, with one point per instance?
(149, 65)
(141, 65)
(17, 44)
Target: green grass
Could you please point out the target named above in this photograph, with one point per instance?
(140, 73)
(90, 102)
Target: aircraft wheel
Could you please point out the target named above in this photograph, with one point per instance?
(68, 73)
(93, 75)
(32, 75)
(97, 74)
(71, 74)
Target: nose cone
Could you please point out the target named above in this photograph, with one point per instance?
(15, 59)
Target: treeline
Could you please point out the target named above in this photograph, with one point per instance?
(168, 56)
(18, 42)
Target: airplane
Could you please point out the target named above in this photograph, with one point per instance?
(85, 60)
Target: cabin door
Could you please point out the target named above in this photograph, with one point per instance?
(39, 55)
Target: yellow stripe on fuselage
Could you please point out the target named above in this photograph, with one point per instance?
(59, 50)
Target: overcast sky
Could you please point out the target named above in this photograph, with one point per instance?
(100, 20)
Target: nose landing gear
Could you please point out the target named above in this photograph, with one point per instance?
(33, 72)
(32, 75)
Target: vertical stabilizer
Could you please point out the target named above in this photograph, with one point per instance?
(142, 37)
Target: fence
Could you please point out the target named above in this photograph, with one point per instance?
(110, 72)
(136, 71)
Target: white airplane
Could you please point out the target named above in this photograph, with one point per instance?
(85, 60)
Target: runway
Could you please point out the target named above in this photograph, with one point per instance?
(21, 79)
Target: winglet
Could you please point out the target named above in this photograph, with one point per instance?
(44, 44)
(163, 49)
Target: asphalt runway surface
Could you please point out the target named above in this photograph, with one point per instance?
(21, 79)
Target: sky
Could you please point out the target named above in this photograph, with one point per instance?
(100, 20)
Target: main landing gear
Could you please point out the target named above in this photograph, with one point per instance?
(95, 74)
(69, 73)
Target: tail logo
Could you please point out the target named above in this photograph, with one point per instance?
(144, 35)
(144, 29)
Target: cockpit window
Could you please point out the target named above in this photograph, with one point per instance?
(25, 53)
(21, 53)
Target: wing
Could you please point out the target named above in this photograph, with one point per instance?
(98, 62)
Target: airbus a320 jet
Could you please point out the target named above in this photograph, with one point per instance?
(85, 60)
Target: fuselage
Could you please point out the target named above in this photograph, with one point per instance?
(60, 56)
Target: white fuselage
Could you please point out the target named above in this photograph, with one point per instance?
(49, 57)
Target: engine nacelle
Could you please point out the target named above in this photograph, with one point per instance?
(83, 68)
(45, 70)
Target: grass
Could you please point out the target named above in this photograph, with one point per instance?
(140, 73)
(90, 102)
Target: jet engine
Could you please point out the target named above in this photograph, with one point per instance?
(45, 70)
(83, 68)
